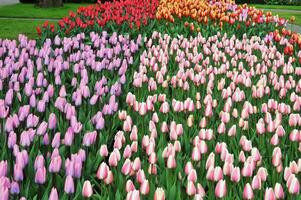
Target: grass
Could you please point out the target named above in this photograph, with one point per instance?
(30, 11)
(284, 7)
(12, 28)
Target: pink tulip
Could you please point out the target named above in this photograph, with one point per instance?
(269, 194)
(218, 173)
(164, 107)
(103, 151)
(280, 131)
(190, 189)
(136, 164)
(140, 176)
(221, 189)
(196, 154)
(192, 176)
(126, 167)
(260, 127)
(110, 178)
(144, 187)
(102, 171)
(256, 183)
(293, 185)
(159, 194)
(133, 195)
(232, 131)
(262, 173)
(113, 160)
(53, 194)
(87, 190)
(279, 193)
(171, 162)
(235, 174)
(248, 192)
(129, 186)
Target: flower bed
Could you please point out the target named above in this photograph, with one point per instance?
(192, 99)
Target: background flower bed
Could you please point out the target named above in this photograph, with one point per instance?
(173, 134)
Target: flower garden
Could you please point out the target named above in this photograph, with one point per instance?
(149, 99)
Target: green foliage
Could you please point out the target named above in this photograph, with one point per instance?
(270, 2)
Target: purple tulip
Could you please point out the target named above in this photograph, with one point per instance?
(23, 112)
(14, 188)
(46, 139)
(32, 121)
(41, 106)
(25, 139)
(3, 168)
(39, 162)
(4, 193)
(69, 135)
(89, 138)
(18, 172)
(12, 139)
(9, 97)
(33, 101)
(52, 121)
(55, 164)
(4, 110)
(40, 176)
(56, 141)
(69, 185)
(42, 128)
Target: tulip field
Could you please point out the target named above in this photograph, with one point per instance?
(149, 99)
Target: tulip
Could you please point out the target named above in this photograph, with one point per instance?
(235, 174)
(129, 186)
(220, 189)
(293, 185)
(171, 162)
(103, 151)
(40, 176)
(69, 185)
(87, 190)
(14, 188)
(18, 172)
(133, 195)
(55, 164)
(144, 187)
(190, 189)
(52, 121)
(110, 178)
(269, 194)
(279, 193)
(248, 192)
(5, 193)
(3, 168)
(159, 194)
(53, 194)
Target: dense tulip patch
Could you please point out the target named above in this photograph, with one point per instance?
(152, 99)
